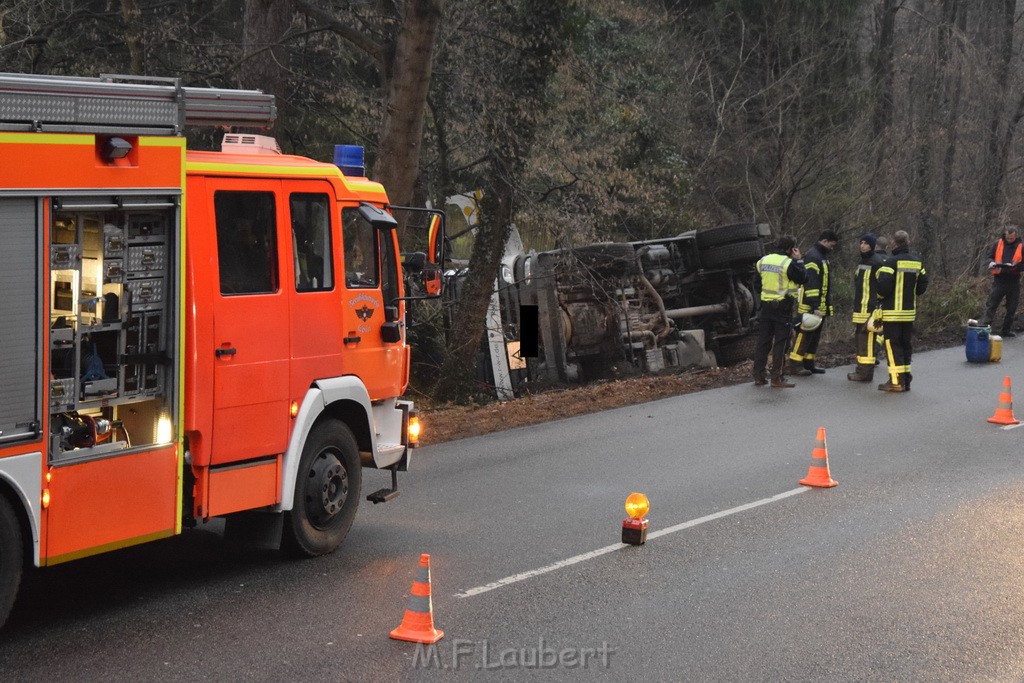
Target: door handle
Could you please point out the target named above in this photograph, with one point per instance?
(352, 340)
(226, 352)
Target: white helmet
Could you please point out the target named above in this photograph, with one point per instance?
(810, 322)
(874, 322)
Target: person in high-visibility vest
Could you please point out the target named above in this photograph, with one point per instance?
(815, 297)
(780, 275)
(1005, 257)
(865, 303)
(901, 279)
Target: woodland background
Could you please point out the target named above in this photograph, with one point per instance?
(592, 120)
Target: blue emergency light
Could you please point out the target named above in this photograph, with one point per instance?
(349, 158)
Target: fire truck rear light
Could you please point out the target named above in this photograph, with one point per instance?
(414, 429)
(293, 409)
(46, 498)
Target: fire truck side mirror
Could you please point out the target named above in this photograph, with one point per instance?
(377, 217)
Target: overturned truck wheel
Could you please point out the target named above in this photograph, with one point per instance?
(726, 234)
(740, 253)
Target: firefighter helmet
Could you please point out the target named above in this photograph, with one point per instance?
(810, 322)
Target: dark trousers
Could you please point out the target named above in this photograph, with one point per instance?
(864, 339)
(805, 346)
(899, 347)
(1002, 288)
(773, 331)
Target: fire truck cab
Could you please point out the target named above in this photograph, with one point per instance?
(186, 335)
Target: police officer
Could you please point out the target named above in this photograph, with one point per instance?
(780, 274)
(865, 301)
(815, 297)
(1005, 258)
(901, 279)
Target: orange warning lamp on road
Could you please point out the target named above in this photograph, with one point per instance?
(634, 528)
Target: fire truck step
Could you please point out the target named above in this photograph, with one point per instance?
(382, 495)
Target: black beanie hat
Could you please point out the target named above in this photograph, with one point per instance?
(870, 238)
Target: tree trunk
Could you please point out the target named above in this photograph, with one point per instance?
(533, 30)
(133, 35)
(405, 103)
(995, 156)
(881, 64)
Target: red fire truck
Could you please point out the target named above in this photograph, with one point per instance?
(187, 335)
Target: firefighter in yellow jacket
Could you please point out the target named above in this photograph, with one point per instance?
(901, 279)
(815, 297)
(865, 307)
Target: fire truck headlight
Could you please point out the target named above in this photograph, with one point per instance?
(414, 429)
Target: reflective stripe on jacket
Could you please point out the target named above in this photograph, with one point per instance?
(816, 294)
(775, 282)
(900, 281)
(865, 290)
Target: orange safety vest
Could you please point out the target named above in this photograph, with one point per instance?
(999, 255)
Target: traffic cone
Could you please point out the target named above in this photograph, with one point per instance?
(1004, 413)
(418, 623)
(817, 473)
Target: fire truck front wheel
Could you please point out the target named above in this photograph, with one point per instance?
(326, 491)
(11, 557)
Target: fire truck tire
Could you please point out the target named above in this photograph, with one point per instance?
(725, 234)
(326, 491)
(739, 253)
(12, 558)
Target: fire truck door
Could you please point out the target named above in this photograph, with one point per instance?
(369, 307)
(251, 325)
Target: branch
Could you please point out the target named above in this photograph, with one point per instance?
(374, 50)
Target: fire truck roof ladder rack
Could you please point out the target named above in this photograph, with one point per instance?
(126, 105)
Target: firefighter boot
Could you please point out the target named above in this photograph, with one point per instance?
(891, 388)
(863, 373)
(905, 380)
(812, 368)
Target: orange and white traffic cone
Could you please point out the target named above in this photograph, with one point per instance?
(418, 623)
(817, 473)
(1004, 412)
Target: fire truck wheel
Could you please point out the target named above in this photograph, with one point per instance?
(11, 558)
(326, 491)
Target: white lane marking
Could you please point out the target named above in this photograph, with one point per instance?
(1019, 424)
(516, 578)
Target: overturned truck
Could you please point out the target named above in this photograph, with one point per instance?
(614, 309)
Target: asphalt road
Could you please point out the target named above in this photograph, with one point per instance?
(910, 569)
